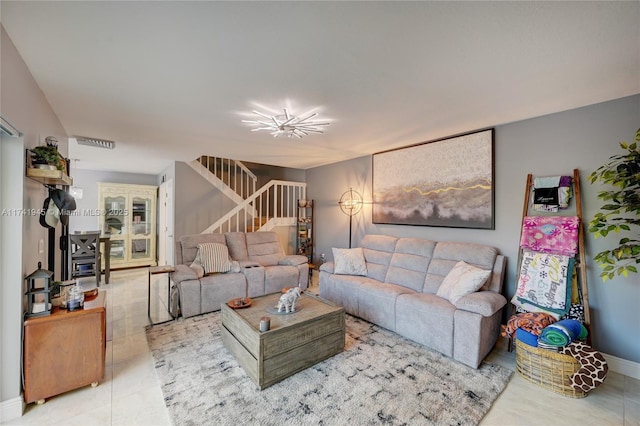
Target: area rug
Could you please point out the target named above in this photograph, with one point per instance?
(380, 378)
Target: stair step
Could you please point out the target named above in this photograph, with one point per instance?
(258, 222)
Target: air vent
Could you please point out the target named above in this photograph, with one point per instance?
(95, 142)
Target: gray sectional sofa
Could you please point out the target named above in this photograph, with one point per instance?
(399, 293)
(262, 268)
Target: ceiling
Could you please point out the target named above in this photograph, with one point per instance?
(174, 80)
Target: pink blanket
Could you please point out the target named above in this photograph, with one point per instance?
(551, 234)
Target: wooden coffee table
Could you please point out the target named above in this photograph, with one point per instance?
(294, 342)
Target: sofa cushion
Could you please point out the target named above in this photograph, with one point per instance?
(426, 319)
(278, 277)
(293, 260)
(378, 250)
(377, 303)
(213, 257)
(189, 245)
(463, 279)
(184, 273)
(237, 244)
(447, 254)
(349, 261)
(485, 303)
(264, 248)
(409, 263)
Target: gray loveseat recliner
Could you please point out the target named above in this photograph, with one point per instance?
(399, 294)
(263, 268)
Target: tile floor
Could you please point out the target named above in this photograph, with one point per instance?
(130, 393)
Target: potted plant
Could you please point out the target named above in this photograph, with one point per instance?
(48, 155)
(620, 211)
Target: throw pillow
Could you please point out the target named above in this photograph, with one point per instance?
(463, 279)
(349, 261)
(213, 257)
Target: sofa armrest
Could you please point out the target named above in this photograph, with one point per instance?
(485, 303)
(293, 260)
(327, 267)
(183, 273)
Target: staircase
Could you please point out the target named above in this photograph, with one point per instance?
(275, 204)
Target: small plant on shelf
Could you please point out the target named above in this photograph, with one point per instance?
(621, 210)
(48, 154)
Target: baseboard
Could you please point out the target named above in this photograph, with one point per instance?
(623, 366)
(11, 409)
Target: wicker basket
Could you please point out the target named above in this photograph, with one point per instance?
(548, 369)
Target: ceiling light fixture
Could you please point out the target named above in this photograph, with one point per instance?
(287, 124)
(98, 143)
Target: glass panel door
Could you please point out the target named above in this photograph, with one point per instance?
(141, 217)
(116, 215)
(117, 250)
(140, 248)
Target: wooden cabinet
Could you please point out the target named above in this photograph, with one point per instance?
(129, 219)
(304, 240)
(65, 350)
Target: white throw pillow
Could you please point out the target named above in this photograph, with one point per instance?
(213, 257)
(463, 279)
(349, 261)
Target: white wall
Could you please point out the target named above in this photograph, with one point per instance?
(583, 138)
(11, 193)
(23, 103)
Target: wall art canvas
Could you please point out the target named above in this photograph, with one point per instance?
(447, 182)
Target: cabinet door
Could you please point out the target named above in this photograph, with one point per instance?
(116, 211)
(142, 226)
(63, 354)
(130, 221)
(141, 220)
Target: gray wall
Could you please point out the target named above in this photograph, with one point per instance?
(23, 103)
(85, 218)
(197, 203)
(583, 138)
(266, 173)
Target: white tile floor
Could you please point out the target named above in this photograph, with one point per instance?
(130, 393)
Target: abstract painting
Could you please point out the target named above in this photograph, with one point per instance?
(447, 182)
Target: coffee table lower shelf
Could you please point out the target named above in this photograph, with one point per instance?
(293, 344)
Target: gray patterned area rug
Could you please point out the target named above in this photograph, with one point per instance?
(380, 378)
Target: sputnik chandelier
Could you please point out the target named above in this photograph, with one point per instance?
(287, 124)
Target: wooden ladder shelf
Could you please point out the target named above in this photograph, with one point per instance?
(581, 265)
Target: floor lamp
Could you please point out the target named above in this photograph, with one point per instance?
(350, 204)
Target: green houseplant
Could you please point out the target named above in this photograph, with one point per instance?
(48, 154)
(620, 211)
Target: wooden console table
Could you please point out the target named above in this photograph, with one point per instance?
(65, 350)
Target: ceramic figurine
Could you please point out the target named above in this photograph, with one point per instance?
(288, 300)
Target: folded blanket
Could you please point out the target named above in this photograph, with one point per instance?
(551, 234)
(532, 322)
(545, 281)
(551, 193)
(526, 337)
(527, 307)
(561, 333)
(594, 366)
(552, 181)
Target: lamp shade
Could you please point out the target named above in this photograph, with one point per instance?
(350, 202)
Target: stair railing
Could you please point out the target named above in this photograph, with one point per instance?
(231, 177)
(275, 204)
